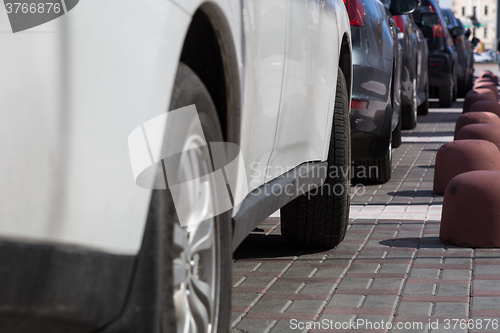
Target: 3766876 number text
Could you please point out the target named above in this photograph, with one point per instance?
(33, 8)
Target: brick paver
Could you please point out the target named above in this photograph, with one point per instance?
(391, 265)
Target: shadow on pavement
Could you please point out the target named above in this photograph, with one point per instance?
(414, 194)
(412, 242)
(450, 116)
(271, 246)
(418, 134)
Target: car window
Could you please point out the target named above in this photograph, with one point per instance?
(420, 9)
(387, 3)
(447, 17)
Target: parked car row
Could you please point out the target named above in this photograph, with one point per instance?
(99, 235)
(390, 85)
(465, 68)
(450, 55)
(376, 90)
(392, 82)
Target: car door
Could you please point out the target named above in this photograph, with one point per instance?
(264, 31)
(309, 81)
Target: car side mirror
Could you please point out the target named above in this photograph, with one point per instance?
(457, 32)
(428, 19)
(402, 7)
(467, 33)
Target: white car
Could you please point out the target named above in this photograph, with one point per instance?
(486, 56)
(84, 244)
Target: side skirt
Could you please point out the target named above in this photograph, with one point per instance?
(266, 199)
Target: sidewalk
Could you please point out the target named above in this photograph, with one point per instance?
(391, 265)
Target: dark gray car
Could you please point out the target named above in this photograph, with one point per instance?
(443, 59)
(470, 49)
(414, 80)
(376, 90)
(465, 69)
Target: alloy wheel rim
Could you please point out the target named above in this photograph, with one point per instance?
(194, 264)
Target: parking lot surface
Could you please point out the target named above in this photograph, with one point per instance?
(391, 267)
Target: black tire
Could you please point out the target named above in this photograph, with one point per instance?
(423, 109)
(462, 88)
(396, 135)
(410, 111)
(455, 86)
(318, 219)
(188, 90)
(374, 171)
(470, 83)
(446, 95)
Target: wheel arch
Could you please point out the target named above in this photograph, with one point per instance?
(214, 60)
(393, 79)
(345, 62)
(417, 55)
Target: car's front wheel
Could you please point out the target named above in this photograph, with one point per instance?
(195, 259)
(423, 109)
(446, 94)
(377, 171)
(396, 135)
(462, 87)
(455, 87)
(410, 111)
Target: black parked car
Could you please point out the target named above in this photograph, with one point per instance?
(465, 70)
(414, 80)
(376, 90)
(443, 62)
(470, 51)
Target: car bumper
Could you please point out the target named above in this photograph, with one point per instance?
(370, 131)
(439, 70)
(52, 288)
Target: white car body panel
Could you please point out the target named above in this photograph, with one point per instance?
(73, 89)
(309, 84)
(486, 56)
(264, 24)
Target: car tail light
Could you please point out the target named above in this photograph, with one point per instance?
(438, 30)
(400, 22)
(358, 104)
(433, 64)
(356, 11)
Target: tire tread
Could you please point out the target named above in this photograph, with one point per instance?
(319, 220)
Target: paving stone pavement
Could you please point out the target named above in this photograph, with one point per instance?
(391, 266)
